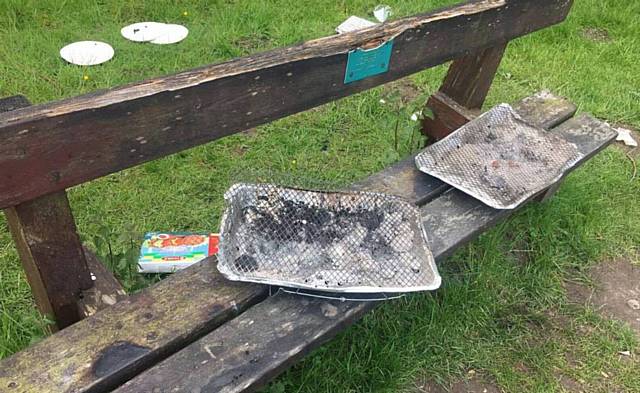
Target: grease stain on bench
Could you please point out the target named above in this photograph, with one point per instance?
(114, 356)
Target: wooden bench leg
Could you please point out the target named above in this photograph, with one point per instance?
(52, 256)
(463, 91)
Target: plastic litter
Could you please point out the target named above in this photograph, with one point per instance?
(354, 23)
(624, 136)
(382, 13)
(87, 53)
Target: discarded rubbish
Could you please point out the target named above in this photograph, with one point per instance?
(624, 136)
(382, 13)
(340, 242)
(499, 158)
(143, 31)
(354, 23)
(155, 32)
(171, 34)
(633, 304)
(168, 252)
(87, 53)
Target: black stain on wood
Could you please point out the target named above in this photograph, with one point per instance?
(116, 355)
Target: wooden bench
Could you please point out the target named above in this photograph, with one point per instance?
(196, 331)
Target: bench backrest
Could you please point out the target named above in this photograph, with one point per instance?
(68, 142)
(48, 148)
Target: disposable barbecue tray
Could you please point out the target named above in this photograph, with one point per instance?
(499, 158)
(356, 242)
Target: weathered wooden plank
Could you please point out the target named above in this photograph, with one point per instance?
(65, 143)
(544, 108)
(14, 102)
(188, 293)
(467, 84)
(101, 351)
(106, 290)
(45, 235)
(470, 77)
(51, 254)
(248, 351)
(404, 180)
(447, 115)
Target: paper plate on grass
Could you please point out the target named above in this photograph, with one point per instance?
(171, 34)
(87, 53)
(143, 31)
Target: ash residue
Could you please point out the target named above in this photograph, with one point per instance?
(299, 222)
(499, 158)
(327, 240)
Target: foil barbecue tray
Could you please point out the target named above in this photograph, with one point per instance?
(348, 242)
(499, 158)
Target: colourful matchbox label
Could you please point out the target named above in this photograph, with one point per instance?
(168, 252)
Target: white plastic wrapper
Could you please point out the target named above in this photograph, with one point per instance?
(87, 53)
(354, 23)
(625, 137)
(382, 13)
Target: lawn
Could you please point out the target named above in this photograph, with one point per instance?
(502, 312)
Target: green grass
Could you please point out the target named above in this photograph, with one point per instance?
(499, 311)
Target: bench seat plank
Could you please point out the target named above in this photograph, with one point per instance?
(101, 351)
(249, 350)
(189, 292)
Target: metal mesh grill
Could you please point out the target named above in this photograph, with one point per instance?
(333, 241)
(499, 158)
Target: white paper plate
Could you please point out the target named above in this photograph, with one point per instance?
(171, 34)
(143, 31)
(86, 53)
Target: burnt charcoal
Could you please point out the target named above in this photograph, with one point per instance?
(336, 241)
(246, 263)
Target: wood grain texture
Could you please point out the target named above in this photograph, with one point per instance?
(101, 351)
(470, 77)
(69, 142)
(51, 254)
(48, 244)
(14, 102)
(106, 290)
(248, 351)
(403, 179)
(464, 88)
(447, 115)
